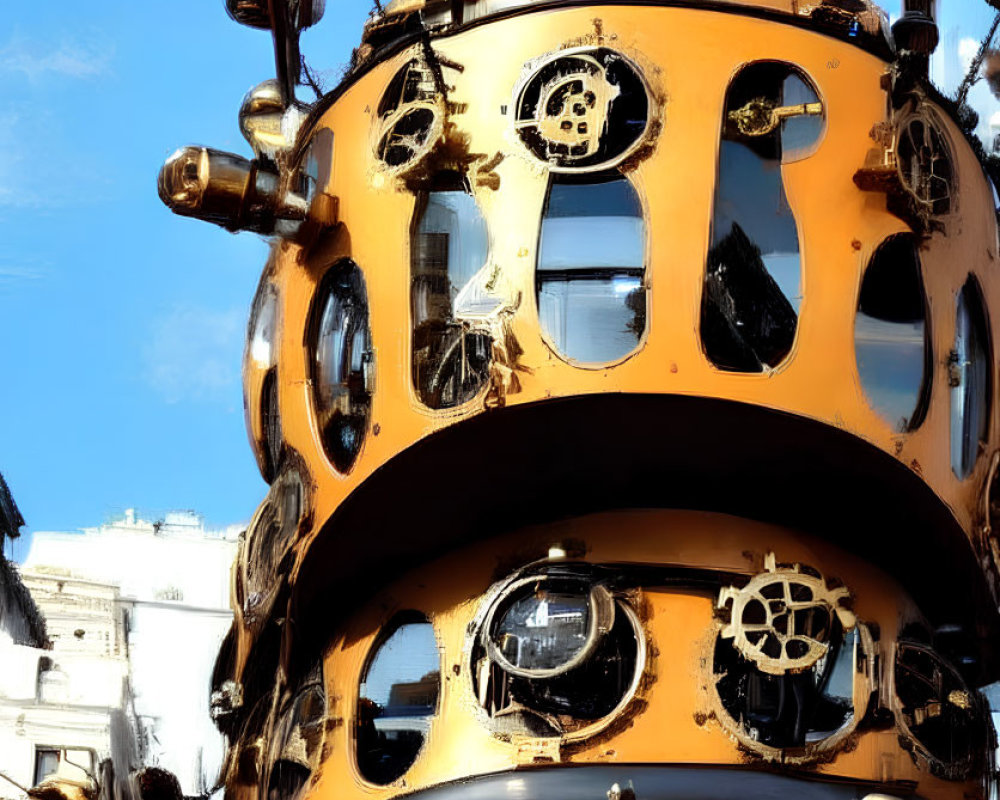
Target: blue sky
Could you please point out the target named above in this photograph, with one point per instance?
(122, 324)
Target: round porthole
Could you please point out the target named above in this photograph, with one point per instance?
(792, 668)
(260, 387)
(556, 654)
(583, 111)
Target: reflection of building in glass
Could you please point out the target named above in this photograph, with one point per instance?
(406, 699)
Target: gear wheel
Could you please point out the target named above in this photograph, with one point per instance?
(782, 619)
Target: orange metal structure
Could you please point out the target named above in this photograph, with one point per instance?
(719, 480)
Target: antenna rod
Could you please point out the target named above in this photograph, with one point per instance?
(973, 74)
(286, 49)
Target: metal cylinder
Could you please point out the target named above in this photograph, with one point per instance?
(220, 187)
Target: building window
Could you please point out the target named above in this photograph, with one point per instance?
(449, 247)
(591, 268)
(970, 377)
(342, 362)
(397, 698)
(750, 303)
(891, 336)
(46, 763)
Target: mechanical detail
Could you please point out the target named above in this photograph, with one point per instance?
(781, 620)
(225, 700)
(555, 654)
(925, 164)
(760, 117)
(574, 109)
(583, 110)
(945, 721)
(411, 117)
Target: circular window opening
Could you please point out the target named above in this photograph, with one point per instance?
(585, 110)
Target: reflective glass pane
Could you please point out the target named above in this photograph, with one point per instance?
(342, 362)
(543, 629)
(840, 679)
(890, 336)
(397, 698)
(452, 235)
(263, 326)
(971, 380)
(937, 710)
(800, 133)
(753, 278)
(449, 249)
(591, 261)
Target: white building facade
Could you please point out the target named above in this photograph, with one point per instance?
(136, 612)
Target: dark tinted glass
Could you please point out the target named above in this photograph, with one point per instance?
(753, 278)
(342, 363)
(890, 334)
(936, 708)
(793, 709)
(971, 379)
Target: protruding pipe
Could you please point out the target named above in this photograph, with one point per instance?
(225, 189)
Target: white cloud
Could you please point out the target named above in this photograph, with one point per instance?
(967, 49)
(194, 354)
(69, 58)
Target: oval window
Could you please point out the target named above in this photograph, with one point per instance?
(342, 362)
(397, 699)
(410, 116)
(891, 336)
(944, 721)
(752, 292)
(969, 374)
(448, 252)
(260, 357)
(591, 268)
